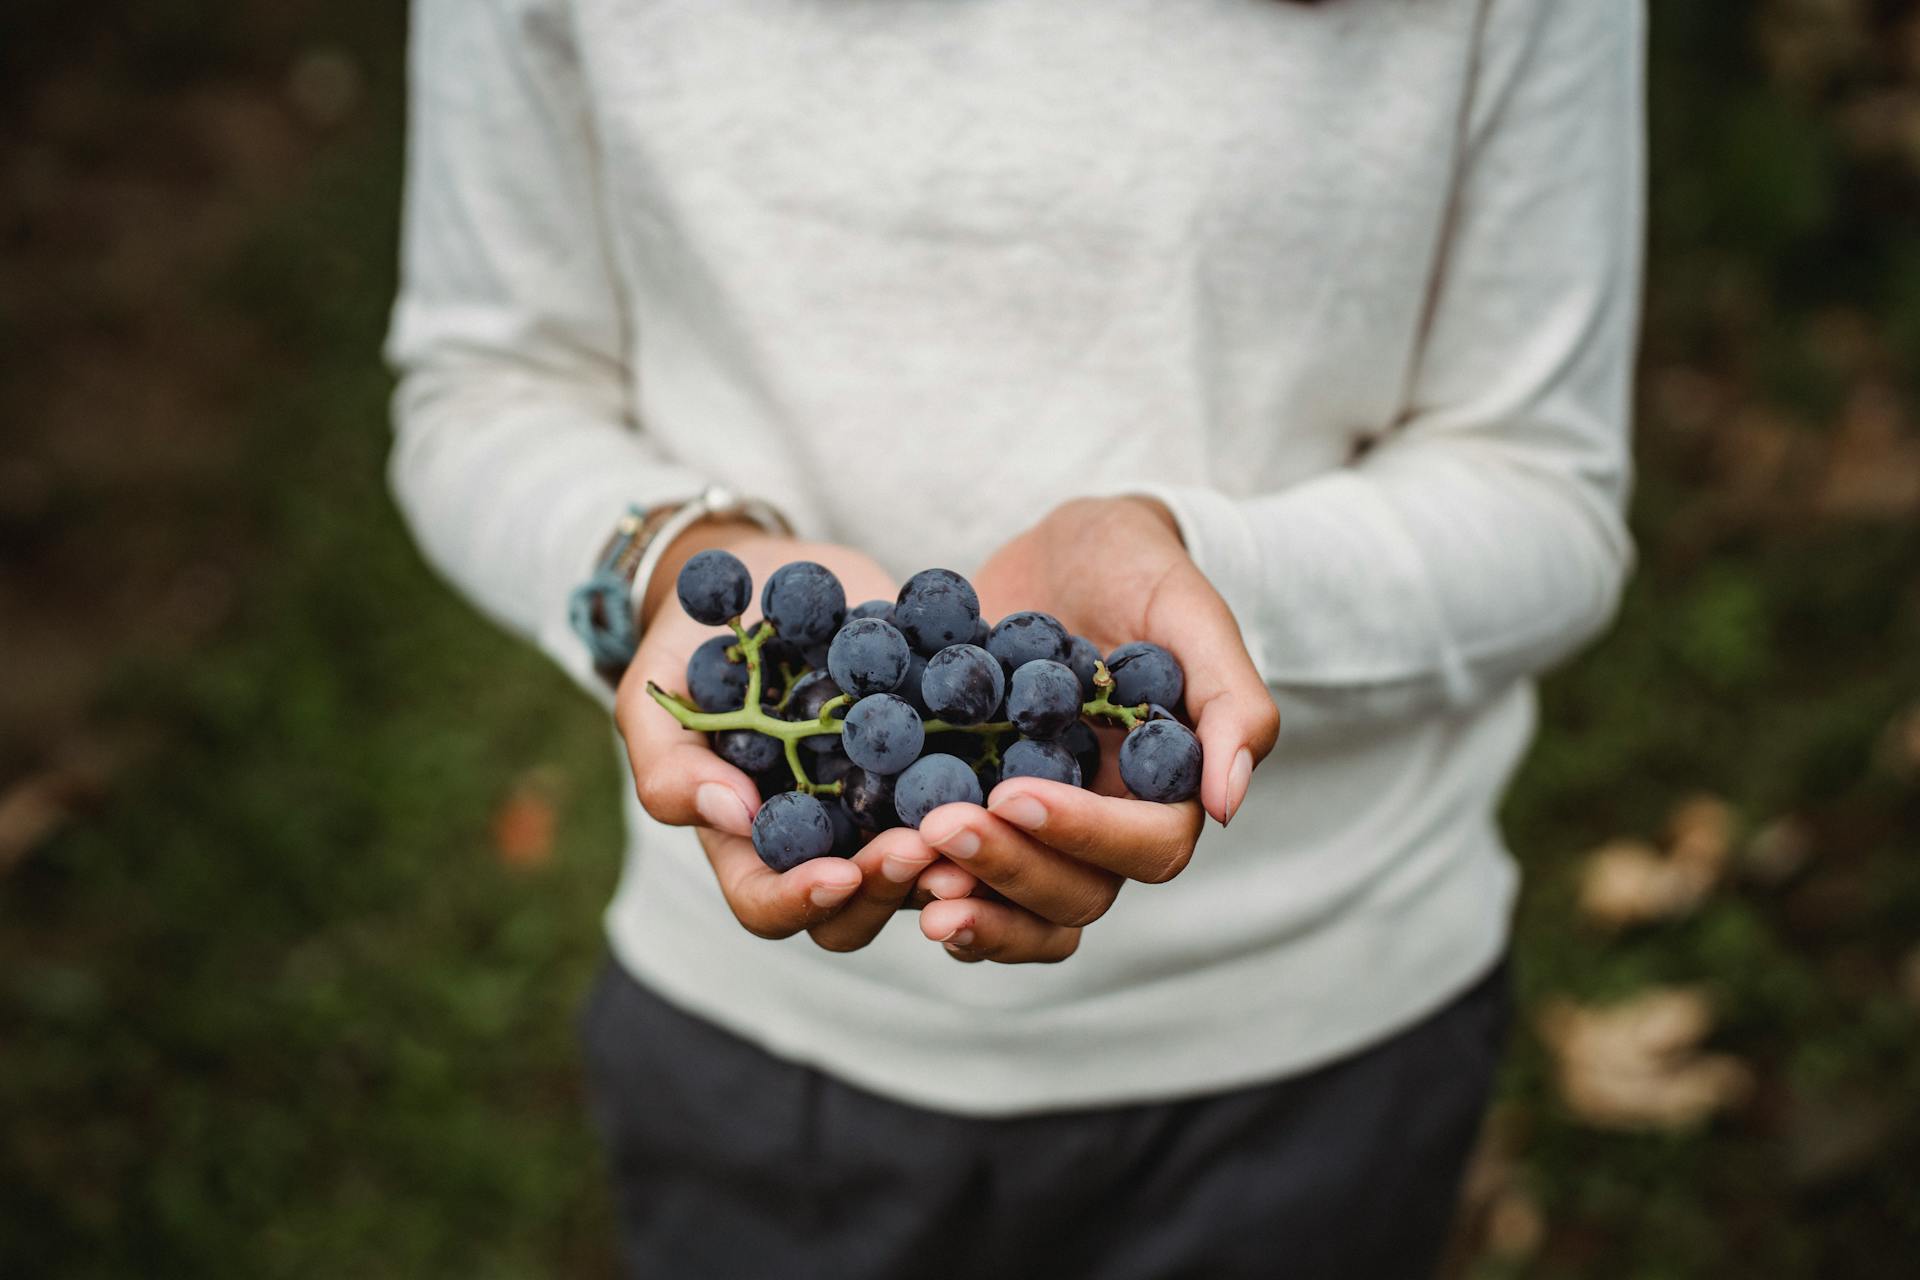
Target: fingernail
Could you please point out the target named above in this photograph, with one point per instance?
(961, 844)
(1237, 779)
(900, 868)
(1022, 811)
(722, 809)
(959, 938)
(941, 831)
(831, 895)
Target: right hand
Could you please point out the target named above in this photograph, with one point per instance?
(1058, 855)
(842, 903)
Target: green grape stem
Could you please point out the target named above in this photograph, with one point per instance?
(754, 717)
(1102, 706)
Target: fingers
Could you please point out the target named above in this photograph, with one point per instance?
(973, 930)
(890, 865)
(774, 904)
(678, 780)
(1057, 888)
(1233, 710)
(946, 880)
(1132, 838)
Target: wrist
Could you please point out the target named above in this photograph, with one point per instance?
(1155, 512)
(1115, 521)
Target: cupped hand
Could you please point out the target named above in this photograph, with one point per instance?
(1111, 570)
(841, 903)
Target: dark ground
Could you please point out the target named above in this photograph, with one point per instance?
(300, 863)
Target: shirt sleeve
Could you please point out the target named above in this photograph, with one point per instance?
(1483, 538)
(516, 448)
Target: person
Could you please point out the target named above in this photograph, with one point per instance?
(1296, 338)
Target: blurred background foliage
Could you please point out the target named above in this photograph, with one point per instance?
(301, 865)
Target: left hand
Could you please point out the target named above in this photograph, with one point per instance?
(1112, 570)
(841, 903)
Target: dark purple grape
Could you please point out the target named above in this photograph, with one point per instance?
(880, 609)
(1030, 759)
(846, 834)
(1043, 698)
(791, 828)
(777, 657)
(868, 656)
(883, 734)
(956, 742)
(910, 685)
(714, 587)
(1020, 638)
(1144, 672)
(1082, 656)
(1160, 760)
(931, 782)
(963, 684)
(829, 766)
(1084, 743)
(829, 762)
(869, 799)
(980, 633)
(776, 651)
(774, 781)
(746, 750)
(804, 602)
(810, 693)
(936, 608)
(713, 682)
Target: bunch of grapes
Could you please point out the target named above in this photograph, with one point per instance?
(852, 721)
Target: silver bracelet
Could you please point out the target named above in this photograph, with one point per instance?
(714, 502)
(604, 611)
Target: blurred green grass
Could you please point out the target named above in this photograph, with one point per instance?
(277, 1006)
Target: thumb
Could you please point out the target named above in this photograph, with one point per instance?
(1233, 711)
(678, 780)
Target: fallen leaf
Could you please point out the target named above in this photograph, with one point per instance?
(1516, 1227)
(1495, 1204)
(526, 822)
(31, 811)
(1873, 469)
(1778, 851)
(1806, 43)
(1830, 1138)
(1844, 339)
(324, 86)
(34, 808)
(1700, 833)
(1758, 451)
(1687, 400)
(1637, 1065)
(1900, 744)
(1880, 122)
(1629, 882)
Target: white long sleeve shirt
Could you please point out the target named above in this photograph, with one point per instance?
(1352, 287)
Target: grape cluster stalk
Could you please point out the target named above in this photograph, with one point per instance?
(754, 718)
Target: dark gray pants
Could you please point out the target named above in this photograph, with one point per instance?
(730, 1163)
